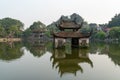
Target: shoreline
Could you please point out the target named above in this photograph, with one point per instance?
(10, 39)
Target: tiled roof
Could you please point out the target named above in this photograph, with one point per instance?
(71, 35)
(69, 24)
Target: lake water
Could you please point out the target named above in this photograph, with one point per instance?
(29, 61)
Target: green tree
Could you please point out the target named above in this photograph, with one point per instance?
(11, 27)
(15, 31)
(2, 32)
(115, 33)
(85, 28)
(100, 35)
(35, 26)
(51, 28)
(27, 33)
(115, 21)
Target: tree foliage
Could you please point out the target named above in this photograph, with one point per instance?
(115, 21)
(35, 26)
(9, 26)
(27, 32)
(52, 28)
(115, 33)
(85, 28)
(100, 35)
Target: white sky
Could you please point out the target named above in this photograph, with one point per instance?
(47, 11)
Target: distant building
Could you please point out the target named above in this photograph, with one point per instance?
(99, 28)
(107, 30)
(38, 34)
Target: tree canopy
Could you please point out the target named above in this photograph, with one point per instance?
(35, 26)
(9, 26)
(115, 21)
(100, 35)
(115, 33)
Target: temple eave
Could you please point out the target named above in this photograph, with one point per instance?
(71, 27)
(70, 35)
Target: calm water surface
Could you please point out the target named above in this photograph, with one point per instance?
(30, 61)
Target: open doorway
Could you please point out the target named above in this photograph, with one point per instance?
(75, 42)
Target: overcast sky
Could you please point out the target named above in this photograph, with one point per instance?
(47, 11)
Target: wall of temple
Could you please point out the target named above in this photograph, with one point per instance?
(84, 42)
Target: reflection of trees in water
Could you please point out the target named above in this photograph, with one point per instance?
(112, 50)
(37, 48)
(114, 53)
(96, 47)
(49, 46)
(10, 51)
(70, 63)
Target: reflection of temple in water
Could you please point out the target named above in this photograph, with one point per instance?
(70, 63)
(36, 47)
